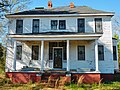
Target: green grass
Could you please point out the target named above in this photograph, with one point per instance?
(102, 86)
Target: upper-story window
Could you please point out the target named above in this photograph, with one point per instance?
(98, 25)
(62, 24)
(54, 24)
(81, 25)
(19, 26)
(58, 24)
(35, 26)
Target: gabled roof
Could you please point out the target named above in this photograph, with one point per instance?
(63, 10)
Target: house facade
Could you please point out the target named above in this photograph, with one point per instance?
(75, 39)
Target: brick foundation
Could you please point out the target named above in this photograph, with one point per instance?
(87, 78)
(107, 77)
(25, 77)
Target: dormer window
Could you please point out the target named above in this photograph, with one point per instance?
(35, 26)
(19, 26)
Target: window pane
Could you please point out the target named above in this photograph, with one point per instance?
(114, 53)
(81, 25)
(64, 45)
(19, 26)
(35, 25)
(19, 52)
(100, 52)
(62, 24)
(81, 52)
(57, 44)
(54, 24)
(35, 52)
(98, 25)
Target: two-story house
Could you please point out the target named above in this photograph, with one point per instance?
(75, 39)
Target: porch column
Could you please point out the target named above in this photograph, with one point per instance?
(14, 51)
(96, 55)
(68, 56)
(42, 55)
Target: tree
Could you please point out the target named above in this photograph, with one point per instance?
(2, 57)
(116, 24)
(8, 7)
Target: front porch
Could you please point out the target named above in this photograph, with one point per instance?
(70, 56)
(56, 55)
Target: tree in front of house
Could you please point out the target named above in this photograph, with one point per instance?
(8, 7)
(2, 57)
(116, 36)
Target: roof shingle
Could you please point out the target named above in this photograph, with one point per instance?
(62, 10)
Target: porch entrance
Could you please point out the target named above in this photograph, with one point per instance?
(57, 58)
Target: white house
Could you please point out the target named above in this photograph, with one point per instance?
(76, 39)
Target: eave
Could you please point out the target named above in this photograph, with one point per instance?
(56, 37)
(60, 15)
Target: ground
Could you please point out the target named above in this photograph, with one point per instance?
(5, 84)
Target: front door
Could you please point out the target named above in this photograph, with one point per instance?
(57, 57)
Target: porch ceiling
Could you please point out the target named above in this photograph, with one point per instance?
(56, 37)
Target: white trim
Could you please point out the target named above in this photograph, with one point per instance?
(60, 15)
(96, 56)
(42, 55)
(14, 62)
(68, 55)
(82, 35)
(51, 39)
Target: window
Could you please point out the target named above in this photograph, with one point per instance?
(58, 24)
(81, 25)
(57, 44)
(114, 53)
(100, 52)
(35, 52)
(19, 26)
(19, 52)
(54, 24)
(81, 52)
(62, 24)
(35, 26)
(98, 25)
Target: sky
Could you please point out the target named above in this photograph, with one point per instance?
(105, 5)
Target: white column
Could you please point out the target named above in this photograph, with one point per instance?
(14, 62)
(68, 56)
(96, 55)
(42, 55)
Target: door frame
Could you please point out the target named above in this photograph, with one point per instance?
(62, 56)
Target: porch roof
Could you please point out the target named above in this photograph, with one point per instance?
(56, 36)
